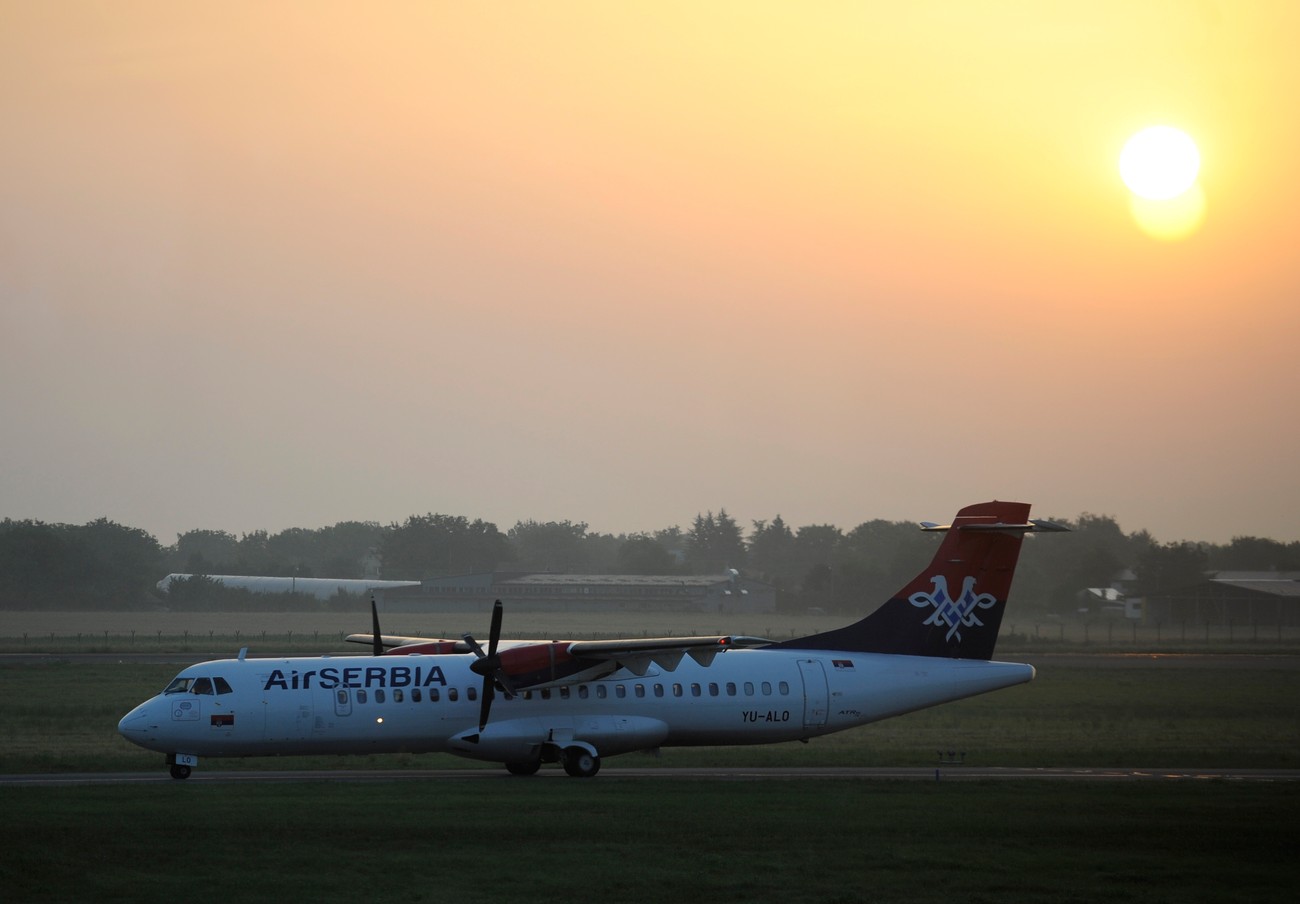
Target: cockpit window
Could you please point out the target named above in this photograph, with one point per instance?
(188, 684)
(179, 685)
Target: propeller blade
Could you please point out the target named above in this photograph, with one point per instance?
(486, 706)
(474, 646)
(494, 633)
(378, 647)
(489, 666)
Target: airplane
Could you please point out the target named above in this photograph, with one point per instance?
(526, 703)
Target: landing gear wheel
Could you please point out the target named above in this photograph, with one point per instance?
(180, 772)
(580, 763)
(527, 767)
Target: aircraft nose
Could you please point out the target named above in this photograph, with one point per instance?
(139, 724)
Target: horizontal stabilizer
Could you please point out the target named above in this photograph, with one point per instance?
(1036, 525)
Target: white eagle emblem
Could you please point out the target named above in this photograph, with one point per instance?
(954, 613)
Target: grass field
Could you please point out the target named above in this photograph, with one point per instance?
(645, 840)
(218, 634)
(1230, 711)
(639, 840)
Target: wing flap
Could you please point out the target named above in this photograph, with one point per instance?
(666, 652)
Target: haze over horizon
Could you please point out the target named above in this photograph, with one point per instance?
(272, 265)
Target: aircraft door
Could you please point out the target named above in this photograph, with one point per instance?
(816, 695)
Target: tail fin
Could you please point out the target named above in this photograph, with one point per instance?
(954, 607)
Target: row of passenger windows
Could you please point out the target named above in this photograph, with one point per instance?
(583, 692)
(415, 694)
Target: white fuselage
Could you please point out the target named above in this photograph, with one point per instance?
(427, 704)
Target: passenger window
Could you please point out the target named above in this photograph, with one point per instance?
(471, 692)
(582, 692)
(731, 688)
(749, 688)
(343, 698)
(564, 693)
(639, 690)
(659, 690)
(713, 689)
(202, 686)
(620, 691)
(415, 695)
(361, 696)
(546, 693)
(222, 687)
(784, 688)
(695, 690)
(379, 696)
(601, 691)
(433, 695)
(677, 690)
(452, 695)
(767, 688)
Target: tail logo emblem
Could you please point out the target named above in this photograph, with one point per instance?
(955, 613)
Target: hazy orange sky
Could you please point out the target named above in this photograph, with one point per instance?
(266, 265)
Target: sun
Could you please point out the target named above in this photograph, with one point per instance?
(1159, 163)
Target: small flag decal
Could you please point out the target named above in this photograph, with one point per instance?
(842, 663)
(223, 720)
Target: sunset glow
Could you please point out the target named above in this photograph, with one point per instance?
(1159, 163)
(269, 264)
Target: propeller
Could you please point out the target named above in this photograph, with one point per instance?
(378, 647)
(489, 666)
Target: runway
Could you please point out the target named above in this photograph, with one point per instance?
(712, 773)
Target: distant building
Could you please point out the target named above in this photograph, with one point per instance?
(545, 592)
(321, 588)
(1231, 597)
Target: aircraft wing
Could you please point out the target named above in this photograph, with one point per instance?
(637, 655)
(390, 641)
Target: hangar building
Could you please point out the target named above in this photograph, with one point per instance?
(546, 592)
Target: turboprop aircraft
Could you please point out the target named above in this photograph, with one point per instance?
(574, 703)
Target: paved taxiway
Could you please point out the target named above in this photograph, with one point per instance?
(713, 773)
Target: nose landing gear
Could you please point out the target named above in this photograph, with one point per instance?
(180, 765)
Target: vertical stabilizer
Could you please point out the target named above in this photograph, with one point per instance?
(954, 607)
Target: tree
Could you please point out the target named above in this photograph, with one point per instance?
(427, 546)
(1170, 567)
(1256, 554)
(205, 552)
(643, 554)
(556, 546)
(772, 552)
(714, 544)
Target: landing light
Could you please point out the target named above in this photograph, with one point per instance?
(379, 721)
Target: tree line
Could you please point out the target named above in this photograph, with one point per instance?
(106, 565)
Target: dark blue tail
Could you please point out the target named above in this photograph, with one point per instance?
(954, 607)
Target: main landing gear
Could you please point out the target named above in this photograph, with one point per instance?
(578, 760)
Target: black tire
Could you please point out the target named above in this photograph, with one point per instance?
(527, 767)
(579, 763)
(180, 772)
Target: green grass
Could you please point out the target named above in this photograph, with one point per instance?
(62, 717)
(649, 840)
